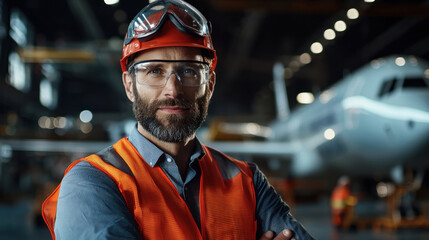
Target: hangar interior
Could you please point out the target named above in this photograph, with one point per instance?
(61, 94)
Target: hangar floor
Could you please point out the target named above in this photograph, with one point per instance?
(16, 222)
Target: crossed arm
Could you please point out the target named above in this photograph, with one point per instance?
(286, 234)
(273, 214)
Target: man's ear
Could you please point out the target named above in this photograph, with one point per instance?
(212, 82)
(128, 85)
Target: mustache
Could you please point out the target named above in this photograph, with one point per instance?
(180, 102)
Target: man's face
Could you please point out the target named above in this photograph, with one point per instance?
(174, 112)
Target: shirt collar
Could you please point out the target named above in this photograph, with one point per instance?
(152, 154)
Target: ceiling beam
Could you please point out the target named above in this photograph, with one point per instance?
(243, 43)
(398, 10)
(296, 6)
(43, 54)
(322, 7)
(83, 13)
(421, 47)
(388, 37)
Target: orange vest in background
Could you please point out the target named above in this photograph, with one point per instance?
(338, 203)
(339, 197)
(227, 206)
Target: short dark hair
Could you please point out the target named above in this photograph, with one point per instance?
(130, 61)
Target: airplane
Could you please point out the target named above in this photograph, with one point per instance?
(375, 120)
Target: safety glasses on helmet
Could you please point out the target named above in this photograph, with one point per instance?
(151, 18)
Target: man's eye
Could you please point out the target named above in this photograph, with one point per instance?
(189, 71)
(155, 71)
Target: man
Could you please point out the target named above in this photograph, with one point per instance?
(339, 197)
(161, 182)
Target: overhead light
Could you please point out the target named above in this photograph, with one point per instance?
(18, 73)
(18, 28)
(369, 1)
(316, 48)
(340, 26)
(60, 122)
(85, 116)
(400, 61)
(111, 2)
(86, 128)
(329, 134)
(329, 34)
(46, 94)
(352, 13)
(44, 122)
(305, 58)
(305, 98)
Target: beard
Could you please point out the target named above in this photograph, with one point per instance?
(174, 127)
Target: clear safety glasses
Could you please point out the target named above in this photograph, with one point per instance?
(155, 73)
(150, 19)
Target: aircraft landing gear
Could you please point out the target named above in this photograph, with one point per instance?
(403, 209)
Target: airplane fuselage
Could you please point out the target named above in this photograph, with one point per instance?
(373, 120)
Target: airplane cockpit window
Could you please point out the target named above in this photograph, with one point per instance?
(387, 87)
(416, 82)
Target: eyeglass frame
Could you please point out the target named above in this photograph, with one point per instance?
(132, 73)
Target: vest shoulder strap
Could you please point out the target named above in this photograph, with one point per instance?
(229, 167)
(110, 156)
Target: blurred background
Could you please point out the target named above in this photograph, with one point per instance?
(311, 90)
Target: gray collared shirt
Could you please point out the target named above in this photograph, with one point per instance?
(90, 205)
(189, 188)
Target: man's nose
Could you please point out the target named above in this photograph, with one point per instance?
(173, 87)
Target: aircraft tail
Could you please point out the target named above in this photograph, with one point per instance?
(282, 103)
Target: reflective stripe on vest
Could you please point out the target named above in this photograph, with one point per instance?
(227, 196)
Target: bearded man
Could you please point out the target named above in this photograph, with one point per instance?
(161, 182)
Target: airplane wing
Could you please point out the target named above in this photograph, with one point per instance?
(41, 145)
(273, 149)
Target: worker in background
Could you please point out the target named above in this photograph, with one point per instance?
(160, 182)
(339, 197)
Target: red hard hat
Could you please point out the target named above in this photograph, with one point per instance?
(161, 29)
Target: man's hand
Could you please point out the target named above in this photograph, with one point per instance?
(286, 234)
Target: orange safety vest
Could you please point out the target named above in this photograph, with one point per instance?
(338, 198)
(338, 204)
(227, 206)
